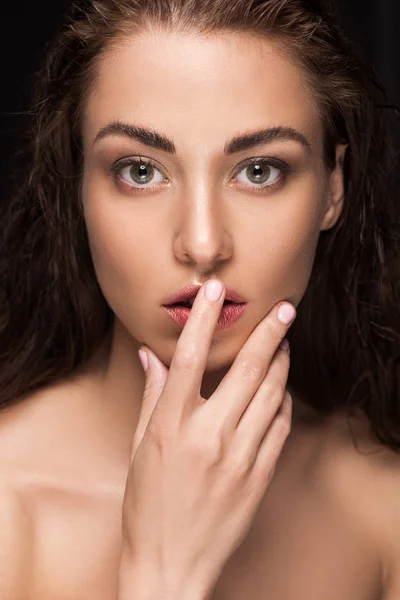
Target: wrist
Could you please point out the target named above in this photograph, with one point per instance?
(142, 588)
(143, 581)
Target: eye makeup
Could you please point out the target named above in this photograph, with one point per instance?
(258, 163)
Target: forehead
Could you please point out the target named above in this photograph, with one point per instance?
(200, 89)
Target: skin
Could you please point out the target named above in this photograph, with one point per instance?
(200, 222)
(205, 219)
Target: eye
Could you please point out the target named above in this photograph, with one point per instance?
(138, 173)
(142, 175)
(262, 173)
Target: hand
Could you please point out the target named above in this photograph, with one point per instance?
(200, 468)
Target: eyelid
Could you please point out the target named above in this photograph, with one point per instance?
(117, 167)
(265, 188)
(131, 160)
(269, 160)
(276, 163)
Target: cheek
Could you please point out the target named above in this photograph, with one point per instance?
(282, 251)
(121, 252)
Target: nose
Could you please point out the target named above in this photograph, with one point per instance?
(202, 239)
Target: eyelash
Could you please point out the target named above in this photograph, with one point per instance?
(273, 162)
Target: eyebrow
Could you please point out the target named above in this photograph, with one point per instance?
(151, 138)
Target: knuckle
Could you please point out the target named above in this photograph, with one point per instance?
(237, 468)
(284, 425)
(275, 389)
(155, 437)
(242, 466)
(208, 449)
(263, 476)
(156, 440)
(160, 435)
(273, 329)
(184, 360)
(153, 431)
(251, 368)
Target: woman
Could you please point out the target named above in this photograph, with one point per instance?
(177, 143)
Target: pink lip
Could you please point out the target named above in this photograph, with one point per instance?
(228, 315)
(190, 291)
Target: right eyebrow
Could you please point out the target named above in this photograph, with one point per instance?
(140, 134)
(239, 143)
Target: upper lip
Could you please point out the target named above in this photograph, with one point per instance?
(190, 291)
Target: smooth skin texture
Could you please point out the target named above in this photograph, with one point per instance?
(211, 219)
(321, 530)
(210, 460)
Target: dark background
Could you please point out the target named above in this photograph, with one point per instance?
(27, 26)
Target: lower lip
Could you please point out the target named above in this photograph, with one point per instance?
(229, 314)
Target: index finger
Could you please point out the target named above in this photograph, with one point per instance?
(191, 353)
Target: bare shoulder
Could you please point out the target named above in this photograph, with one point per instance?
(363, 478)
(37, 423)
(24, 431)
(18, 432)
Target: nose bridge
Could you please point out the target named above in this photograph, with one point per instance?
(202, 236)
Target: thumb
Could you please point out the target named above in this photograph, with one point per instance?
(156, 375)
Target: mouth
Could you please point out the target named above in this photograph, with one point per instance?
(186, 297)
(189, 303)
(178, 307)
(230, 312)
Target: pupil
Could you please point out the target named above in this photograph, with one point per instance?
(142, 173)
(258, 173)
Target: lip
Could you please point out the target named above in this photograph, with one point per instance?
(229, 314)
(191, 290)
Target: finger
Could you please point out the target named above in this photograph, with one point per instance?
(250, 367)
(155, 377)
(191, 353)
(258, 416)
(273, 441)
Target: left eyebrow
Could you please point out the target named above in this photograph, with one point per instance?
(266, 136)
(149, 137)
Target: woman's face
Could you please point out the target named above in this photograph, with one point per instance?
(199, 209)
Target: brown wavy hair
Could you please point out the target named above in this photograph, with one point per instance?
(345, 340)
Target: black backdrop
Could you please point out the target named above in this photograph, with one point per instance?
(27, 26)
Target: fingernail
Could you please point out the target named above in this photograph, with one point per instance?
(144, 359)
(286, 314)
(213, 290)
